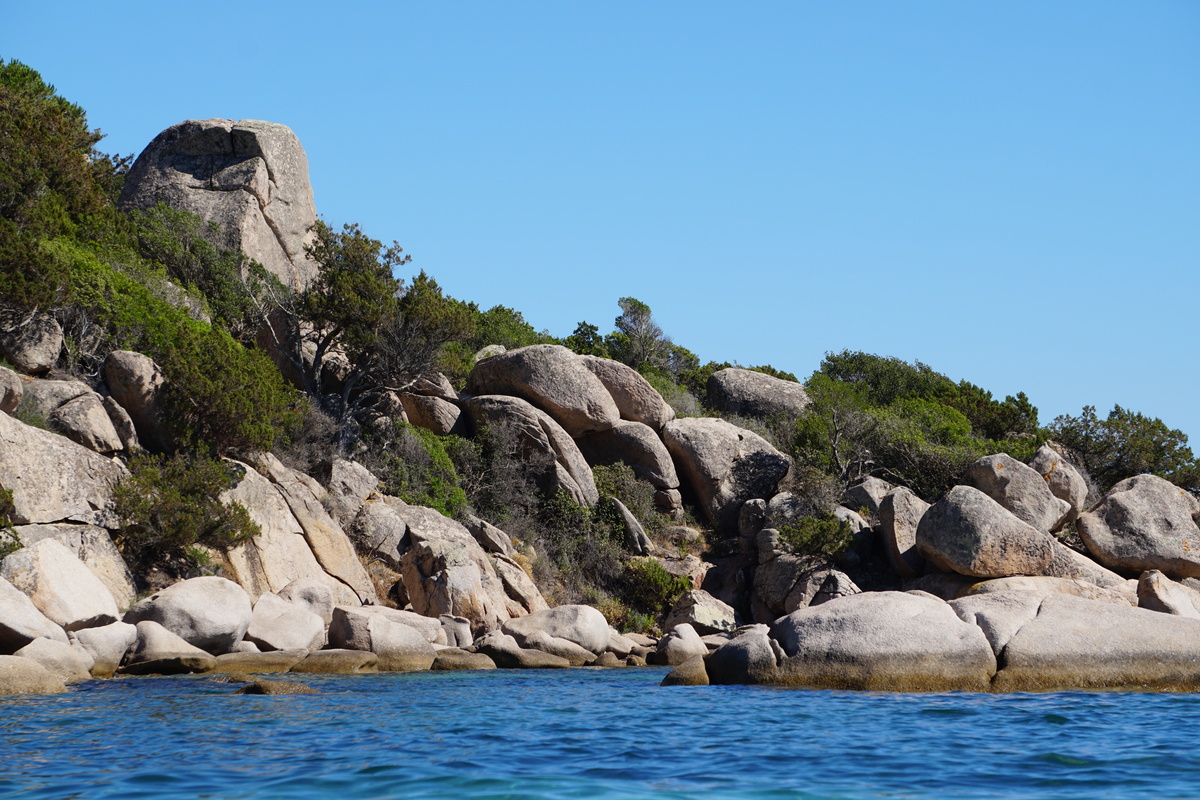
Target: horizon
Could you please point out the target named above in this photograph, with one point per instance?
(891, 180)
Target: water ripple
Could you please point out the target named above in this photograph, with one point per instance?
(588, 734)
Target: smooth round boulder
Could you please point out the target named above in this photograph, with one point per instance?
(637, 401)
(681, 644)
(755, 394)
(748, 658)
(583, 625)
(107, 646)
(60, 585)
(1020, 489)
(883, 641)
(690, 673)
(276, 624)
(552, 378)
(971, 534)
(725, 465)
(210, 613)
(1145, 522)
(313, 594)
(71, 663)
(21, 622)
(30, 341)
(157, 651)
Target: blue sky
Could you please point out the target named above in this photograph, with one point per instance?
(1009, 192)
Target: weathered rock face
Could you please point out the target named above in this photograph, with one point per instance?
(446, 572)
(312, 594)
(210, 613)
(490, 538)
(11, 390)
(999, 614)
(431, 413)
(349, 485)
(1064, 481)
(725, 465)
(583, 625)
(250, 177)
(60, 585)
(969, 533)
(868, 494)
(136, 383)
(755, 394)
(26, 676)
(325, 537)
(1077, 643)
(523, 593)
(1020, 489)
(281, 553)
(504, 651)
(1145, 522)
(1048, 584)
(72, 409)
(53, 479)
(94, 547)
(900, 512)
(380, 530)
(1157, 592)
(543, 442)
(399, 647)
(21, 622)
(634, 444)
(30, 341)
(636, 399)
(705, 613)
(890, 641)
(553, 379)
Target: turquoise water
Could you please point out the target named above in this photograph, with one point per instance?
(587, 734)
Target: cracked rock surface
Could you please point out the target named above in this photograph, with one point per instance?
(248, 176)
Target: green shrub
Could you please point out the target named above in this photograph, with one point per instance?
(8, 538)
(414, 464)
(619, 481)
(651, 587)
(220, 395)
(169, 508)
(817, 537)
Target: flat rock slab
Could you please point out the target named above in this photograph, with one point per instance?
(338, 662)
(259, 663)
(1074, 643)
(454, 659)
(26, 676)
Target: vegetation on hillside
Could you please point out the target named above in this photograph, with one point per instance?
(158, 282)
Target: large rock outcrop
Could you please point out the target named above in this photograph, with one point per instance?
(755, 394)
(250, 177)
(210, 613)
(281, 553)
(543, 443)
(54, 479)
(725, 465)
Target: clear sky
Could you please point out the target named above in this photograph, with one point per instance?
(1007, 191)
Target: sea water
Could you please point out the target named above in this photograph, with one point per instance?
(587, 733)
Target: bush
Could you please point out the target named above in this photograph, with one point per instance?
(652, 588)
(9, 543)
(414, 464)
(820, 537)
(169, 507)
(618, 481)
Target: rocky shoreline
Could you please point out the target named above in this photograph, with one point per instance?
(979, 591)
